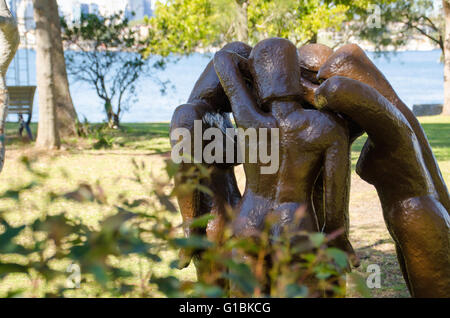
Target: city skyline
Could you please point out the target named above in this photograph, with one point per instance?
(72, 9)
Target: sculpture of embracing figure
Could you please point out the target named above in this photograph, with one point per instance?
(398, 161)
(321, 102)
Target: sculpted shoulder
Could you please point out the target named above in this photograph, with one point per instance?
(329, 126)
(185, 115)
(327, 120)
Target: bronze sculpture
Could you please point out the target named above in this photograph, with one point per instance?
(393, 162)
(312, 57)
(306, 138)
(425, 255)
(351, 61)
(209, 104)
(278, 86)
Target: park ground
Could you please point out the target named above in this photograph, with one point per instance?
(106, 158)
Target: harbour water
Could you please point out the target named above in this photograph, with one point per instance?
(417, 76)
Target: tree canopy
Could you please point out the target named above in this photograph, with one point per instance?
(402, 20)
(183, 26)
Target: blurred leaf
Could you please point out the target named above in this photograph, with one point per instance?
(171, 168)
(9, 268)
(202, 290)
(14, 193)
(6, 244)
(57, 227)
(170, 285)
(193, 242)
(82, 194)
(100, 274)
(202, 222)
(241, 275)
(15, 293)
(165, 201)
(296, 291)
(113, 223)
(318, 239)
(338, 256)
(360, 284)
(137, 203)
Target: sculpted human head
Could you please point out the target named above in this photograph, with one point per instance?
(312, 57)
(275, 69)
(351, 61)
(208, 88)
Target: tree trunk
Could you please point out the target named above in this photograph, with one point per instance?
(242, 21)
(446, 111)
(65, 111)
(9, 42)
(47, 136)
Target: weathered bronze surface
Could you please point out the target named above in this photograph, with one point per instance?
(310, 140)
(393, 162)
(351, 61)
(311, 58)
(209, 104)
(278, 86)
(416, 211)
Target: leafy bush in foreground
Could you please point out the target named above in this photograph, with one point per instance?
(50, 251)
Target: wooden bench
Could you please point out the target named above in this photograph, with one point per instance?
(21, 102)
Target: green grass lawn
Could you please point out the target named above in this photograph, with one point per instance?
(111, 166)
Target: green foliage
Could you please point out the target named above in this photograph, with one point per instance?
(299, 21)
(402, 20)
(183, 26)
(59, 254)
(179, 26)
(106, 54)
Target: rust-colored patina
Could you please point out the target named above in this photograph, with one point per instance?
(278, 86)
(310, 140)
(393, 161)
(209, 104)
(352, 62)
(311, 58)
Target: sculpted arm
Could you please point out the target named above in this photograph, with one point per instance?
(183, 122)
(367, 108)
(336, 185)
(352, 62)
(229, 68)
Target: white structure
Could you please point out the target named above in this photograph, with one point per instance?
(24, 16)
(72, 9)
(140, 8)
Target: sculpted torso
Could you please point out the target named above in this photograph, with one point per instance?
(309, 141)
(305, 136)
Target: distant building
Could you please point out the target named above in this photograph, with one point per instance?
(94, 9)
(84, 8)
(24, 15)
(138, 9)
(73, 9)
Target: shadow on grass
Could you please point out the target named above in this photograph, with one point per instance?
(392, 282)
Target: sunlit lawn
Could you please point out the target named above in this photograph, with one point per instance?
(149, 143)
